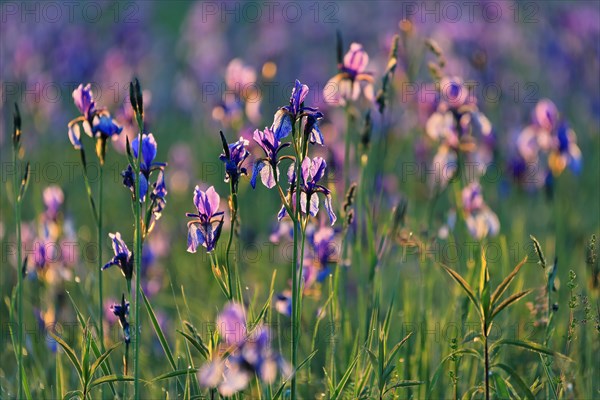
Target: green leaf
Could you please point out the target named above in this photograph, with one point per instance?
(465, 286)
(73, 394)
(529, 345)
(344, 380)
(69, 352)
(302, 364)
(438, 370)
(106, 367)
(391, 364)
(201, 347)
(510, 300)
(403, 384)
(501, 388)
(517, 380)
(101, 359)
(506, 282)
(159, 333)
(110, 379)
(173, 374)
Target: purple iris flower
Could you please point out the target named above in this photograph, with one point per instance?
(249, 354)
(267, 166)
(311, 173)
(288, 115)
(121, 311)
(234, 155)
(147, 166)
(105, 125)
(123, 257)
(149, 149)
(159, 195)
(84, 101)
(129, 182)
(201, 230)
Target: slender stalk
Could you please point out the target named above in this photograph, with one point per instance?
(487, 363)
(232, 271)
(295, 266)
(347, 149)
(137, 262)
(19, 350)
(100, 284)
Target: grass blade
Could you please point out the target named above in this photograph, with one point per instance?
(159, 333)
(465, 286)
(510, 300)
(517, 380)
(506, 282)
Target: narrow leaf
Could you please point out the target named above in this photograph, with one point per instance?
(159, 333)
(69, 352)
(510, 300)
(506, 282)
(464, 285)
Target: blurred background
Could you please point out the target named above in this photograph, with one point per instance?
(211, 66)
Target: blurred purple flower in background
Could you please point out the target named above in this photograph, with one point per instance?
(249, 354)
(351, 80)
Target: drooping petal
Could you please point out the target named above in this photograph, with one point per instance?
(75, 136)
(282, 124)
(195, 238)
(258, 166)
(267, 176)
(329, 208)
(305, 170)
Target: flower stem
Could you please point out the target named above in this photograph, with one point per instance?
(19, 350)
(137, 262)
(347, 150)
(100, 285)
(232, 271)
(296, 266)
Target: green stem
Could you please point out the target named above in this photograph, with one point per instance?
(347, 150)
(487, 364)
(19, 350)
(137, 262)
(295, 266)
(232, 271)
(100, 285)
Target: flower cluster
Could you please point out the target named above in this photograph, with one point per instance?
(205, 227)
(96, 122)
(456, 126)
(547, 140)
(244, 354)
(270, 141)
(147, 167)
(481, 220)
